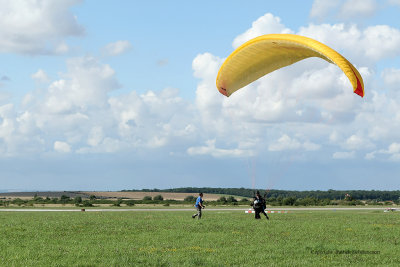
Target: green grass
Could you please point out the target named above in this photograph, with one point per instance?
(221, 238)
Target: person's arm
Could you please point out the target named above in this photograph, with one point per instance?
(201, 204)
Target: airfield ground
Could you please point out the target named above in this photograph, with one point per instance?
(222, 238)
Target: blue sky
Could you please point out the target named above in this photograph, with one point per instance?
(111, 95)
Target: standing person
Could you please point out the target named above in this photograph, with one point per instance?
(259, 206)
(199, 206)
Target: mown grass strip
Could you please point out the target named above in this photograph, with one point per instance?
(221, 238)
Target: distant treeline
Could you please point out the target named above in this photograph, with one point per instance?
(78, 201)
(92, 200)
(318, 194)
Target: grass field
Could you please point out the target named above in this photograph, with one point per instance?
(221, 238)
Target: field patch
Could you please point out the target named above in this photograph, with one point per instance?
(224, 238)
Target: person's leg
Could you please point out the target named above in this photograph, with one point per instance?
(199, 212)
(266, 216)
(257, 213)
(194, 215)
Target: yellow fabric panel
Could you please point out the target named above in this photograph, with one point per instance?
(267, 53)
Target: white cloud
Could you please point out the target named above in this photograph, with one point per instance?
(391, 76)
(364, 45)
(370, 155)
(86, 84)
(208, 101)
(322, 8)
(334, 137)
(343, 155)
(107, 145)
(344, 9)
(61, 48)
(355, 142)
(392, 153)
(67, 110)
(37, 27)
(7, 126)
(308, 106)
(381, 41)
(117, 48)
(362, 8)
(284, 143)
(96, 135)
(78, 109)
(41, 76)
(394, 148)
(287, 143)
(210, 149)
(62, 147)
(309, 146)
(394, 2)
(152, 119)
(263, 25)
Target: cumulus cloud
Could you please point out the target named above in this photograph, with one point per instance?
(117, 48)
(62, 147)
(210, 149)
(86, 84)
(366, 46)
(370, 155)
(343, 9)
(355, 142)
(37, 27)
(308, 106)
(264, 25)
(394, 2)
(353, 8)
(77, 111)
(343, 155)
(322, 8)
(41, 76)
(391, 76)
(392, 153)
(287, 143)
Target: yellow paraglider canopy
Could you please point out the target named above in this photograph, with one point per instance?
(267, 53)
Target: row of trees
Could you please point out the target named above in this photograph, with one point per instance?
(223, 200)
(93, 200)
(318, 194)
(64, 199)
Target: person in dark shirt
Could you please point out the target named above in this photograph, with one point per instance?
(259, 206)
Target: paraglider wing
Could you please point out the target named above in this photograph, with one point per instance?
(267, 53)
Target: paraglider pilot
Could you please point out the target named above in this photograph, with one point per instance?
(199, 206)
(259, 206)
